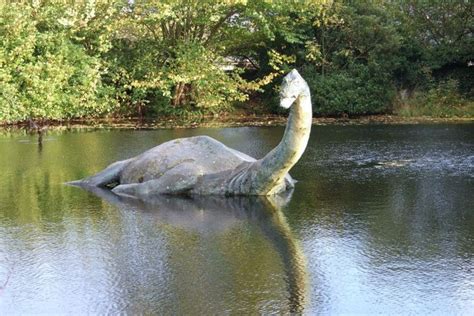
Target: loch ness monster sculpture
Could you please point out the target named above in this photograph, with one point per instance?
(202, 165)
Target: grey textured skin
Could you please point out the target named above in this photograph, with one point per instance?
(203, 166)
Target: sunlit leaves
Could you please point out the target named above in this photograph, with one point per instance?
(185, 45)
(48, 70)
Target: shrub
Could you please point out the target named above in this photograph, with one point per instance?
(45, 72)
(355, 91)
(442, 100)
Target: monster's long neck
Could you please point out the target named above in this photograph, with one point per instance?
(276, 164)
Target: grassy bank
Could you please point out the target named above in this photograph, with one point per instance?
(442, 100)
(455, 111)
(230, 120)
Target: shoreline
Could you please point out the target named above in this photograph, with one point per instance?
(228, 121)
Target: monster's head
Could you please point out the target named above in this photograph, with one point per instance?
(292, 87)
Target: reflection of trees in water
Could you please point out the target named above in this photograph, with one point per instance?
(423, 217)
(400, 238)
(216, 218)
(426, 207)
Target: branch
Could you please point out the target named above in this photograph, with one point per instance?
(250, 61)
(152, 31)
(219, 23)
(164, 30)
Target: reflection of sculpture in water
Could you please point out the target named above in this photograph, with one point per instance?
(214, 214)
(203, 166)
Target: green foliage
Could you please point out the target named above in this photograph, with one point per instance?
(357, 55)
(168, 52)
(351, 60)
(442, 28)
(442, 100)
(356, 90)
(46, 73)
(179, 53)
(62, 60)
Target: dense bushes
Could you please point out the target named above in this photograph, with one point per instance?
(44, 72)
(352, 91)
(147, 57)
(367, 54)
(357, 59)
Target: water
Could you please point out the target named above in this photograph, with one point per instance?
(381, 221)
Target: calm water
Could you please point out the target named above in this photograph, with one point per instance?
(381, 221)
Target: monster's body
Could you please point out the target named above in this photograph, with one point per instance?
(203, 166)
(195, 165)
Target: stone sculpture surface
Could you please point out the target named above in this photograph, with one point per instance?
(203, 166)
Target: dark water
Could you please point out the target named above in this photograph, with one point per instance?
(381, 221)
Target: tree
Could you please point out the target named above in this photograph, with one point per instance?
(350, 59)
(177, 50)
(48, 68)
(443, 31)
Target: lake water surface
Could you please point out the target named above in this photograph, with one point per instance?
(380, 222)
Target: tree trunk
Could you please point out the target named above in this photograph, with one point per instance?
(178, 97)
(182, 94)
